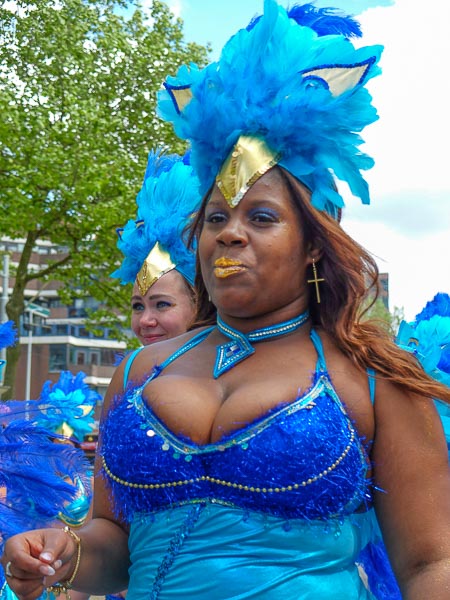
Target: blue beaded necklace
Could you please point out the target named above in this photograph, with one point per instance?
(239, 347)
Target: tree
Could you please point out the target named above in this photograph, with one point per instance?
(397, 316)
(390, 320)
(78, 82)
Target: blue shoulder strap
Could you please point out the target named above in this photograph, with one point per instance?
(321, 364)
(372, 383)
(194, 341)
(197, 339)
(128, 365)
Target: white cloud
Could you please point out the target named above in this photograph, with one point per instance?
(408, 224)
(410, 212)
(176, 7)
(417, 267)
(354, 7)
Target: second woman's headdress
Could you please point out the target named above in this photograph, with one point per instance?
(154, 243)
(288, 90)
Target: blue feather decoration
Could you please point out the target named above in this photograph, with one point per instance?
(66, 406)
(281, 80)
(166, 203)
(324, 21)
(36, 475)
(8, 334)
(428, 338)
(440, 305)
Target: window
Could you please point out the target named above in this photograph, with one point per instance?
(57, 357)
(108, 356)
(81, 357)
(94, 357)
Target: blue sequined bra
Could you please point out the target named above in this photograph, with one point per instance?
(302, 460)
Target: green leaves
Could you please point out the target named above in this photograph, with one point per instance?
(78, 83)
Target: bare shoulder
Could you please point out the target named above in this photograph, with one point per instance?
(401, 415)
(155, 354)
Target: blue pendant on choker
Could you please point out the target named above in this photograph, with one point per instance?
(239, 347)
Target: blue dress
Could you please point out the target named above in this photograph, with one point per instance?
(278, 509)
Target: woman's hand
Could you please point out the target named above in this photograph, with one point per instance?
(37, 559)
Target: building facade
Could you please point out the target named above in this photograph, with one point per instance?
(53, 336)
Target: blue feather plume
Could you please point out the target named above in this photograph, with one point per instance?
(428, 338)
(37, 475)
(69, 402)
(165, 205)
(260, 86)
(8, 334)
(439, 305)
(324, 21)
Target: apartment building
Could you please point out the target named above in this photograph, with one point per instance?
(53, 336)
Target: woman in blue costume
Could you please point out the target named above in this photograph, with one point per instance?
(244, 459)
(156, 259)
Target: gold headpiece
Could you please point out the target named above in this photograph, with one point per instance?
(157, 263)
(249, 159)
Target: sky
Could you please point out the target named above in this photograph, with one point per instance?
(407, 225)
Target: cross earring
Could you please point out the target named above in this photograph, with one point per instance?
(316, 280)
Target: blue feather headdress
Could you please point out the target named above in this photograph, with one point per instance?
(167, 201)
(428, 338)
(296, 81)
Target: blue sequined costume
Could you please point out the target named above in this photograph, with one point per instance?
(268, 512)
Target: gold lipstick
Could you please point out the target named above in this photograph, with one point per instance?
(224, 267)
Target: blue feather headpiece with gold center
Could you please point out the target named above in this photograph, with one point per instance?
(153, 243)
(291, 81)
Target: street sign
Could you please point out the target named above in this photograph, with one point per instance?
(38, 310)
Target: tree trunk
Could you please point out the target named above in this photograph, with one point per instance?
(14, 309)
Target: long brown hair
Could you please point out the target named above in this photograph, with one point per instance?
(350, 288)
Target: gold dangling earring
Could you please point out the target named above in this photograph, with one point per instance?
(316, 280)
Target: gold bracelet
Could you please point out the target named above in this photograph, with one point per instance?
(65, 586)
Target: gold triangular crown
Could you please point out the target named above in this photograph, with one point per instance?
(157, 263)
(249, 159)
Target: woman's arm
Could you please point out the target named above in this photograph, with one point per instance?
(38, 559)
(411, 467)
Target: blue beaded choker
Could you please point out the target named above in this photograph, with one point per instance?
(239, 347)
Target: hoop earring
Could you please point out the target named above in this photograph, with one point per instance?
(316, 280)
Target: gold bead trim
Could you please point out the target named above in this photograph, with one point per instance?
(238, 486)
